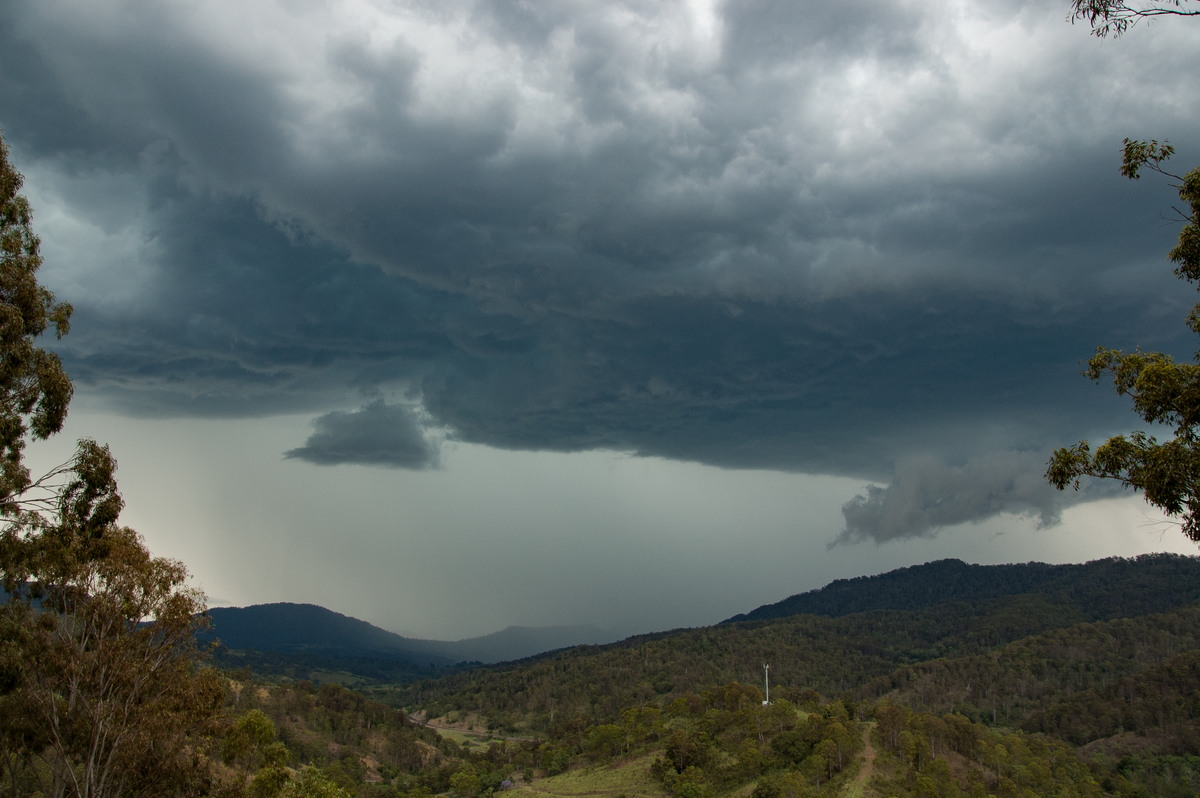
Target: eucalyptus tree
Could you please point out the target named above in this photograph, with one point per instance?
(100, 693)
(1165, 393)
(1114, 17)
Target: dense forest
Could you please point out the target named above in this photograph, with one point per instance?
(832, 655)
(1088, 688)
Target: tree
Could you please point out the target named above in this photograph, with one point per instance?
(250, 743)
(34, 388)
(100, 693)
(112, 700)
(465, 783)
(1116, 16)
(605, 741)
(1163, 392)
(312, 783)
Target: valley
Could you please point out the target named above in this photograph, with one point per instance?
(1009, 681)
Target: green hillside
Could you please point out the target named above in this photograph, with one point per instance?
(831, 655)
(1085, 687)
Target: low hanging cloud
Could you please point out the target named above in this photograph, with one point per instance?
(927, 495)
(378, 435)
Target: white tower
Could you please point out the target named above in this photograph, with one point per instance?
(767, 683)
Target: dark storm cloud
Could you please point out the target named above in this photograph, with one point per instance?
(819, 238)
(378, 435)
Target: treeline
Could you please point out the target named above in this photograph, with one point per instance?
(1020, 695)
(1155, 582)
(330, 742)
(1162, 701)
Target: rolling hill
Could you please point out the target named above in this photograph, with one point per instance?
(283, 636)
(1174, 579)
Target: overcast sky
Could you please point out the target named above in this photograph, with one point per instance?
(456, 315)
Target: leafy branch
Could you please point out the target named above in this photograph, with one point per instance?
(1115, 17)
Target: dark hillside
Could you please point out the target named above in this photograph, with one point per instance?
(1162, 701)
(312, 630)
(1150, 583)
(305, 641)
(831, 655)
(959, 685)
(1012, 683)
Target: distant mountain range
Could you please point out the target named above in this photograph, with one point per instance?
(311, 642)
(308, 630)
(1031, 678)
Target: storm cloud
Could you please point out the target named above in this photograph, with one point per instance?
(927, 495)
(378, 434)
(854, 239)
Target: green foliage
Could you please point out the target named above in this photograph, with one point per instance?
(269, 782)
(114, 705)
(929, 755)
(782, 784)
(100, 693)
(465, 783)
(1164, 393)
(1012, 683)
(361, 746)
(310, 782)
(1116, 16)
(1162, 701)
(248, 738)
(605, 741)
(34, 389)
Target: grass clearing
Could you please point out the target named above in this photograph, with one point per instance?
(473, 742)
(631, 778)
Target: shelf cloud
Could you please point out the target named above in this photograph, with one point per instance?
(855, 239)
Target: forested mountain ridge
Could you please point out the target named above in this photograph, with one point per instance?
(831, 655)
(290, 638)
(1015, 695)
(976, 605)
(1087, 686)
(308, 628)
(1174, 578)
(1012, 683)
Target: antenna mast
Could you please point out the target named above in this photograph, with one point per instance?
(767, 683)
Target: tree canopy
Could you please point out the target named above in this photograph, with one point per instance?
(1165, 393)
(34, 389)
